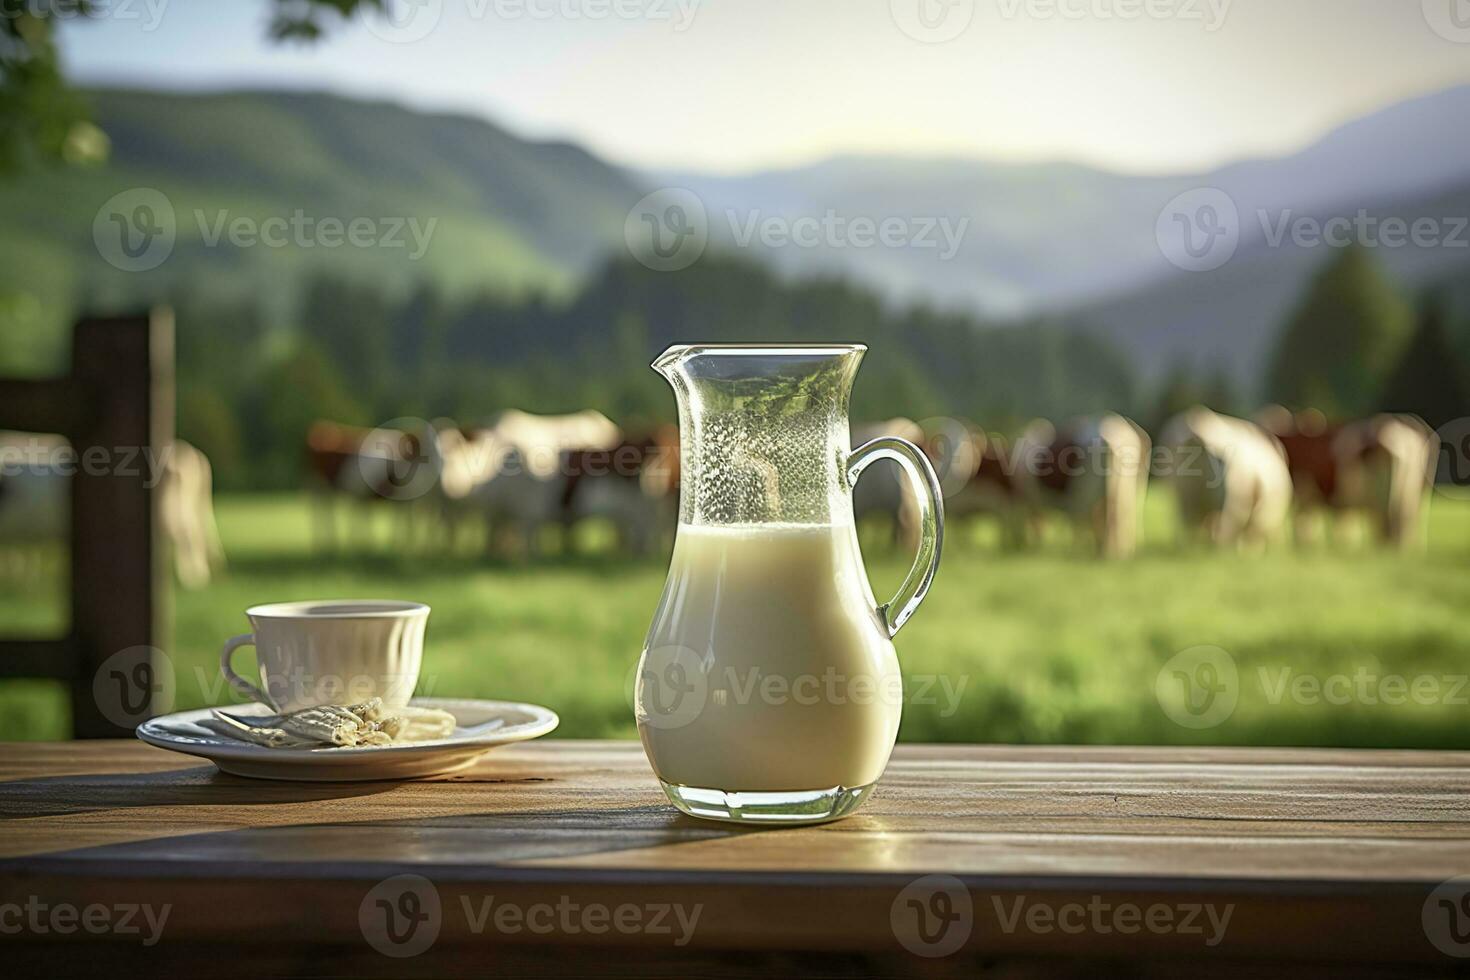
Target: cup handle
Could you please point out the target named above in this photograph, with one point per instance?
(237, 682)
(920, 472)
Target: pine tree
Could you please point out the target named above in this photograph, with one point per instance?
(1338, 347)
(1429, 380)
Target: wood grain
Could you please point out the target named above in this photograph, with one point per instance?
(1325, 856)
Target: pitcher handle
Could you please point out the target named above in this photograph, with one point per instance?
(925, 485)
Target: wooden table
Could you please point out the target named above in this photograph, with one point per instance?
(562, 857)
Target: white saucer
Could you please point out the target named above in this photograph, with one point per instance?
(480, 726)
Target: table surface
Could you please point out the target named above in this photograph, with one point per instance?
(1326, 856)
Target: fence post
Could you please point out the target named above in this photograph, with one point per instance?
(118, 576)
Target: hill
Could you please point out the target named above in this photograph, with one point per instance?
(498, 213)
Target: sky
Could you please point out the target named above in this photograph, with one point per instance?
(732, 86)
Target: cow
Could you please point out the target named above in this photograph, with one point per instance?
(1094, 470)
(1230, 478)
(365, 466)
(1382, 466)
(635, 485)
(528, 489)
(884, 489)
(35, 474)
(186, 513)
(979, 480)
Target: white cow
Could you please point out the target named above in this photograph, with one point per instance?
(1230, 477)
(1094, 470)
(527, 489)
(186, 512)
(1386, 465)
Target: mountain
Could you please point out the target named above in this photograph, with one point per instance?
(1073, 244)
(507, 215)
(1228, 318)
(1082, 243)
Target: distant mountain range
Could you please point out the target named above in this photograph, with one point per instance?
(1082, 244)
(1057, 240)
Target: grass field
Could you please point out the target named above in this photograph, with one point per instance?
(1331, 645)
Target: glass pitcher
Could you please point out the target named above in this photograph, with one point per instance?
(768, 689)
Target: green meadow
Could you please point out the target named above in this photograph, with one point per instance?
(1332, 643)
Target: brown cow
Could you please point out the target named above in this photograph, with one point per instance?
(991, 490)
(1381, 466)
(635, 485)
(364, 465)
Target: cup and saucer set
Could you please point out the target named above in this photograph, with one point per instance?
(335, 701)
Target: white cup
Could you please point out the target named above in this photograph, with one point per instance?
(331, 652)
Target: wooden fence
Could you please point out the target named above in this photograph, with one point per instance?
(117, 404)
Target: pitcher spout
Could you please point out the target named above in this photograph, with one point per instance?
(745, 361)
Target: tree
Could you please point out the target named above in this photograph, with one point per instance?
(1336, 350)
(1429, 379)
(305, 387)
(40, 117)
(43, 120)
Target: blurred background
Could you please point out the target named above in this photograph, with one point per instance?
(1224, 239)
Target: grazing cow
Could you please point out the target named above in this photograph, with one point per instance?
(1094, 470)
(635, 485)
(35, 474)
(1381, 466)
(980, 480)
(884, 489)
(528, 489)
(1230, 477)
(464, 460)
(365, 465)
(186, 512)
